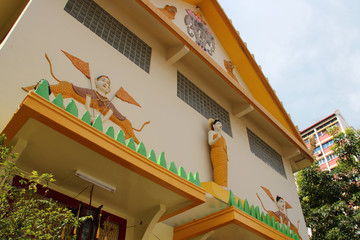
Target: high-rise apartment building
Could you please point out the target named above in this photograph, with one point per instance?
(322, 152)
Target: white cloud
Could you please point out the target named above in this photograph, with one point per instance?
(309, 50)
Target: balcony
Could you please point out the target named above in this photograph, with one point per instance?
(223, 217)
(50, 139)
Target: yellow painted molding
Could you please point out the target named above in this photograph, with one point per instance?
(36, 107)
(230, 215)
(245, 62)
(218, 191)
(267, 103)
(193, 2)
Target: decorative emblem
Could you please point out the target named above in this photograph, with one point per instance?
(230, 68)
(197, 28)
(169, 11)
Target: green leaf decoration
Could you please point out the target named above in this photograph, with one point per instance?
(252, 211)
(277, 226)
(297, 237)
(98, 124)
(86, 117)
(141, 149)
(131, 144)
(172, 168)
(43, 89)
(288, 231)
(197, 179)
(59, 101)
(246, 207)
(120, 137)
(191, 177)
(257, 213)
(110, 132)
(240, 205)
(152, 156)
(273, 222)
(232, 201)
(292, 234)
(72, 108)
(161, 160)
(182, 173)
(268, 220)
(283, 228)
(262, 217)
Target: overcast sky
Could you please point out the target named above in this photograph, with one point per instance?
(309, 50)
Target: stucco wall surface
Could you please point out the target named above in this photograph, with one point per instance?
(175, 128)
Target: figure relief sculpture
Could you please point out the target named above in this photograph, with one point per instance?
(229, 66)
(280, 215)
(95, 100)
(218, 153)
(197, 28)
(169, 11)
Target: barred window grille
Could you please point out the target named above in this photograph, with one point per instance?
(201, 102)
(92, 16)
(266, 153)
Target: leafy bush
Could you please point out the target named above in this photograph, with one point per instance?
(26, 215)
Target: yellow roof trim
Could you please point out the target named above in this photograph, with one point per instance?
(245, 63)
(230, 215)
(193, 2)
(271, 110)
(218, 191)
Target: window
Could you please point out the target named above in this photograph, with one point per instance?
(308, 134)
(321, 161)
(328, 144)
(201, 102)
(317, 149)
(111, 31)
(307, 141)
(266, 153)
(320, 134)
(331, 157)
(326, 124)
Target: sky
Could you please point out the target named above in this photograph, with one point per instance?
(309, 50)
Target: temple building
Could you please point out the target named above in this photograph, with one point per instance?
(152, 112)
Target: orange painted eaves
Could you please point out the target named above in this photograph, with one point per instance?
(288, 130)
(245, 63)
(230, 215)
(193, 2)
(36, 107)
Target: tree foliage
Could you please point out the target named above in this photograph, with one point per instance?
(25, 215)
(331, 200)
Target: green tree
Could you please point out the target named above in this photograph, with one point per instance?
(25, 215)
(330, 200)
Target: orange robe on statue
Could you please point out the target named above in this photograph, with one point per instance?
(219, 159)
